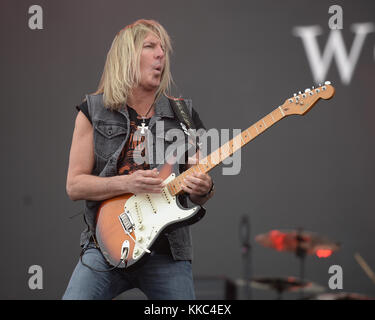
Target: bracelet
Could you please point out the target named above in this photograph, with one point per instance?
(209, 192)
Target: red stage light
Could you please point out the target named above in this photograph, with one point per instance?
(323, 253)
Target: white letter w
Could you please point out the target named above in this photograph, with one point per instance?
(335, 47)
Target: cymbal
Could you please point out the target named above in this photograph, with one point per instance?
(341, 296)
(292, 240)
(282, 284)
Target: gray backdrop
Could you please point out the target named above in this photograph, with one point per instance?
(237, 60)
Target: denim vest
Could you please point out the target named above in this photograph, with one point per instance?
(111, 131)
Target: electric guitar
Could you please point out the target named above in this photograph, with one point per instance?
(129, 224)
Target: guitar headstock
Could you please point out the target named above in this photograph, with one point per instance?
(303, 102)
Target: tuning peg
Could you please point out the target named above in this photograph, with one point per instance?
(299, 92)
(327, 82)
(294, 94)
(320, 84)
(307, 90)
(313, 87)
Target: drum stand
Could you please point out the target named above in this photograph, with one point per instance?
(301, 255)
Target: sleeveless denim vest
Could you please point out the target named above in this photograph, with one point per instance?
(111, 132)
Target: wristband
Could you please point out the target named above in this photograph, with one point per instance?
(209, 192)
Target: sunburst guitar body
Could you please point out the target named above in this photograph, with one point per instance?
(128, 225)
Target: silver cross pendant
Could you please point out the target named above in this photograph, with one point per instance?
(143, 128)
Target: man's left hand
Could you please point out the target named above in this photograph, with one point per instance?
(197, 184)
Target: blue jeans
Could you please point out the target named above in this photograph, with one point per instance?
(160, 278)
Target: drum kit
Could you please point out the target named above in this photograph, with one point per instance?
(301, 243)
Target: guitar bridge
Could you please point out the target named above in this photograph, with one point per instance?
(126, 222)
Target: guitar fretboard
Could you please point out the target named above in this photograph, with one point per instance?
(227, 149)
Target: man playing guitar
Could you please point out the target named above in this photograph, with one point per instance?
(108, 135)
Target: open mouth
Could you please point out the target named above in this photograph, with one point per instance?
(158, 67)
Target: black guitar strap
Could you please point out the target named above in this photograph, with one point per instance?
(180, 109)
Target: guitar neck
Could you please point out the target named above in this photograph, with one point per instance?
(226, 150)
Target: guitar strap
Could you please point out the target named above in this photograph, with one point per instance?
(181, 111)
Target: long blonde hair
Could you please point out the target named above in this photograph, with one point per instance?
(122, 68)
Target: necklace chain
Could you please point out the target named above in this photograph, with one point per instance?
(144, 117)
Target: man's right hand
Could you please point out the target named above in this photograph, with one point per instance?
(144, 181)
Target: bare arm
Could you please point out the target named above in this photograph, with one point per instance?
(82, 185)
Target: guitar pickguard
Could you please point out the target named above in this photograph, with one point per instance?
(152, 213)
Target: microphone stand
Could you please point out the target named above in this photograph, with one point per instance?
(246, 254)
